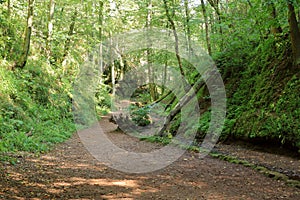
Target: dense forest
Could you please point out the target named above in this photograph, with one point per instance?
(44, 44)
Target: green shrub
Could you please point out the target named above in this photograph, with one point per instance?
(140, 116)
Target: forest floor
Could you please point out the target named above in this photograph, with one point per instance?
(70, 172)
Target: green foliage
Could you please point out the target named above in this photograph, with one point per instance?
(140, 116)
(102, 99)
(203, 125)
(31, 117)
(9, 40)
(264, 103)
(154, 139)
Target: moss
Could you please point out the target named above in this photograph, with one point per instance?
(269, 173)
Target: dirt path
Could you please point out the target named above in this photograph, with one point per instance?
(70, 172)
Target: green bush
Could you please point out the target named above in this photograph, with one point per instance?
(140, 116)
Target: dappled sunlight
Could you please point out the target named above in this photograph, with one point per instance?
(16, 176)
(67, 174)
(56, 177)
(100, 182)
(55, 191)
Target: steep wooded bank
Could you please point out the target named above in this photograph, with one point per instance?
(263, 98)
(254, 44)
(263, 102)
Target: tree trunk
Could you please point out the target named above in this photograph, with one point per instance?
(206, 28)
(100, 20)
(100, 30)
(294, 33)
(112, 69)
(188, 29)
(50, 29)
(26, 46)
(215, 5)
(70, 34)
(113, 78)
(122, 66)
(8, 8)
(299, 18)
(274, 29)
(182, 102)
(250, 4)
(173, 27)
(151, 73)
(164, 75)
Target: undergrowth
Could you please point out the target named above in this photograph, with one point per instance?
(35, 108)
(263, 102)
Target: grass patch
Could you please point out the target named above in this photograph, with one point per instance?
(157, 139)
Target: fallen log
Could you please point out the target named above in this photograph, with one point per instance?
(182, 102)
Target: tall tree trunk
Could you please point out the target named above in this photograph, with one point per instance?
(113, 78)
(100, 21)
(164, 77)
(164, 73)
(122, 67)
(173, 27)
(294, 33)
(188, 29)
(8, 8)
(26, 46)
(151, 73)
(120, 72)
(274, 29)
(206, 28)
(112, 62)
(70, 34)
(299, 18)
(50, 29)
(250, 4)
(215, 5)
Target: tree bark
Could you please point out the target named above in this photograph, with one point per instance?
(188, 29)
(152, 86)
(182, 102)
(206, 28)
(50, 29)
(215, 5)
(274, 29)
(164, 72)
(173, 27)
(112, 69)
(70, 34)
(299, 18)
(250, 4)
(26, 46)
(100, 21)
(8, 8)
(164, 76)
(294, 33)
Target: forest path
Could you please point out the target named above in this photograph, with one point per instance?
(70, 172)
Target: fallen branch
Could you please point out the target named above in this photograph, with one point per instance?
(182, 102)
